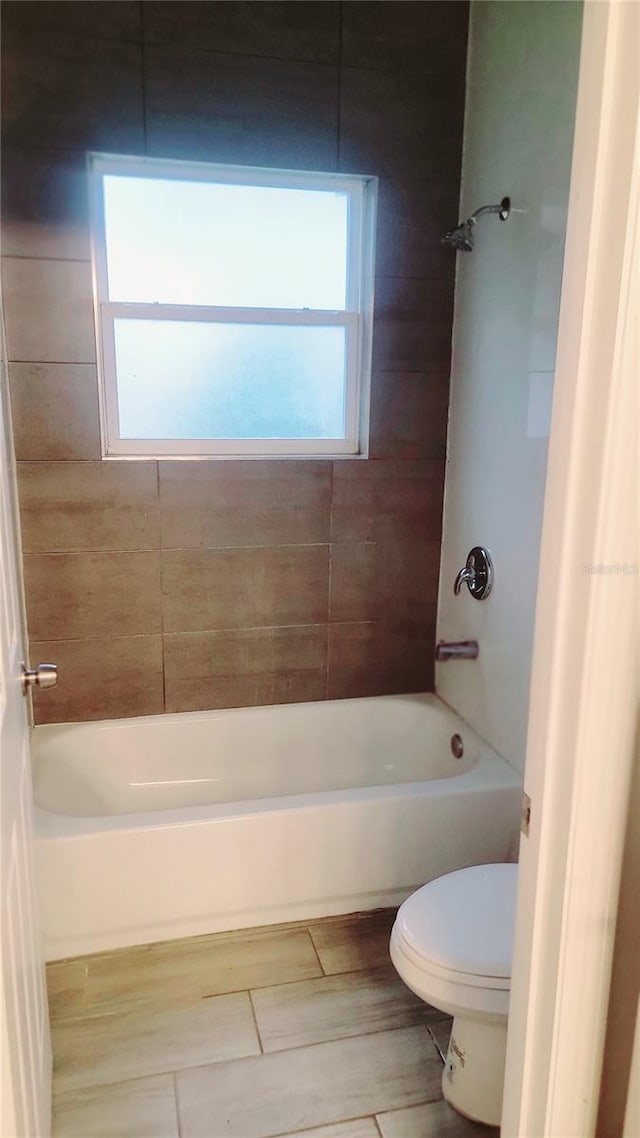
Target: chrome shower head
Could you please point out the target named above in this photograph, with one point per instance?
(462, 237)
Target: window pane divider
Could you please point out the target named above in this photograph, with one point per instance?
(213, 314)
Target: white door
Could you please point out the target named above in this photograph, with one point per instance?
(25, 1057)
(585, 683)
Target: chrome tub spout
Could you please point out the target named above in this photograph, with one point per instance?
(457, 650)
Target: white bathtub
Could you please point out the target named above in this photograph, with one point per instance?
(178, 825)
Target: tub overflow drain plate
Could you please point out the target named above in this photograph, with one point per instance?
(457, 746)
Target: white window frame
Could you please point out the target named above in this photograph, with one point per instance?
(356, 318)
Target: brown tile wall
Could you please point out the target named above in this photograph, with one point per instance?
(182, 586)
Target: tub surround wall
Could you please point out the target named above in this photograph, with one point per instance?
(521, 92)
(177, 586)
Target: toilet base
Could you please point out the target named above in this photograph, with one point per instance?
(473, 1077)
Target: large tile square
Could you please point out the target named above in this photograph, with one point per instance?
(54, 408)
(111, 1048)
(232, 504)
(45, 201)
(399, 579)
(75, 596)
(350, 944)
(244, 588)
(74, 506)
(141, 1108)
(406, 37)
(387, 501)
(412, 216)
(431, 1120)
(101, 19)
(72, 92)
(290, 30)
(359, 1128)
(381, 657)
(334, 1007)
(312, 1086)
(245, 667)
(66, 983)
(48, 311)
(401, 124)
(174, 973)
(107, 678)
(412, 324)
(409, 414)
(241, 108)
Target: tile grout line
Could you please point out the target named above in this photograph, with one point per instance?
(175, 1104)
(316, 953)
(330, 553)
(255, 1020)
(161, 583)
(339, 91)
(377, 1124)
(328, 1125)
(436, 1044)
(143, 78)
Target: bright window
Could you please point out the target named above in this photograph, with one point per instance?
(233, 308)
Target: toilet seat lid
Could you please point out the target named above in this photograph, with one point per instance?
(464, 921)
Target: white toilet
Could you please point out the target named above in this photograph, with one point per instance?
(452, 944)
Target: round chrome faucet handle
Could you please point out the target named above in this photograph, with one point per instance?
(477, 574)
(467, 574)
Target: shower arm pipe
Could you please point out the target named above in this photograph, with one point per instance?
(502, 208)
(461, 237)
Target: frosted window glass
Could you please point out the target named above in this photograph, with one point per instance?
(207, 243)
(191, 380)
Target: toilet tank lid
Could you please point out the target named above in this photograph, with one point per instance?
(464, 921)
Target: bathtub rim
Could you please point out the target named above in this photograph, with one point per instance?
(51, 824)
(428, 698)
(488, 770)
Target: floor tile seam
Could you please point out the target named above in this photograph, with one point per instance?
(377, 1124)
(345, 971)
(317, 1043)
(356, 1035)
(311, 1129)
(414, 1106)
(176, 1108)
(255, 1023)
(377, 972)
(441, 1053)
(344, 1121)
(58, 1095)
(237, 1059)
(313, 943)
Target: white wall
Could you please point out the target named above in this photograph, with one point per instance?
(521, 91)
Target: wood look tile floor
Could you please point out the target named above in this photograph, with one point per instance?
(296, 1030)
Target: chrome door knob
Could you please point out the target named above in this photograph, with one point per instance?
(477, 574)
(42, 676)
